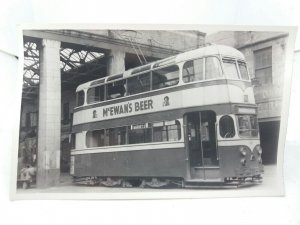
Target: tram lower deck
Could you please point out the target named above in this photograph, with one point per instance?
(182, 147)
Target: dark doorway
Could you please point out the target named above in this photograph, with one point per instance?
(269, 134)
(65, 156)
(201, 141)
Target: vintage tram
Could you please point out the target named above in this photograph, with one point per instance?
(187, 120)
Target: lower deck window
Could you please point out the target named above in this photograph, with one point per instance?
(95, 138)
(167, 131)
(135, 134)
(116, 136)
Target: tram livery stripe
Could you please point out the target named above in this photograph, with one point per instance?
(128, 148)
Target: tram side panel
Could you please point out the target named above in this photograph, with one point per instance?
(140, 163)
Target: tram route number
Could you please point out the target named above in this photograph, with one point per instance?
(128, 108)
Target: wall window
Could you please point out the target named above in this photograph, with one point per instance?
(263, 65)
(80, 98)
(138, 84)
(193, 70)
(226, 125)
(95, 94)
(116, 89)
(166, 77)
(212, 68)
(31, 119)
(230, 69)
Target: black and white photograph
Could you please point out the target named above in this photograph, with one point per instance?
(152, 113)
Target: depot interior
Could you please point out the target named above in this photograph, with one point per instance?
(57, 61)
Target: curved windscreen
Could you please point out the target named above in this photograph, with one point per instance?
(247, 125)
(234, 69)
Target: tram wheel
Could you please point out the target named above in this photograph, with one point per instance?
(156, 183)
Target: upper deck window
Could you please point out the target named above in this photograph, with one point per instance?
(165, 77)
(192, 70)
(230, 68)
(116, 89)
(212, 68)
(138, 84)
(79, 98)
(95, 94)
(243, 70)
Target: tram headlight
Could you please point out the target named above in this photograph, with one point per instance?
(259, 149)
(243, 151)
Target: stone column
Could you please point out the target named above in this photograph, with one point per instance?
(115, 62)
(48, 164)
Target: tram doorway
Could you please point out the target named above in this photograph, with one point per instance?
(201, 144)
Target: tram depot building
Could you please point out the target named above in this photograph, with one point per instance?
(56, 62)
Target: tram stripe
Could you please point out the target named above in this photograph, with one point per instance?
(128, 148)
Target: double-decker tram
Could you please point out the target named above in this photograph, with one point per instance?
(187, 120)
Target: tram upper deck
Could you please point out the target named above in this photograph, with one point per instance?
(210, 75)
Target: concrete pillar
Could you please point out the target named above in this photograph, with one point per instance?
(115, 62)
(48, 171)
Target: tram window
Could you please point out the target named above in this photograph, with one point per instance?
(116, 89)
(95, 138)
(243, 70)
(193, 70)
(138, 84)
(166, 77)
(80, 98)
(174, 131)
(230, 69)
(227, 127)
(95, 94)
(116, 136)
(167, 131)
(248, 125)
(139, 135)
(212, 68)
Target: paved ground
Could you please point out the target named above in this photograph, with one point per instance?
(66, 189)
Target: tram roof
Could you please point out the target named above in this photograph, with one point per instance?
(197, 53)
